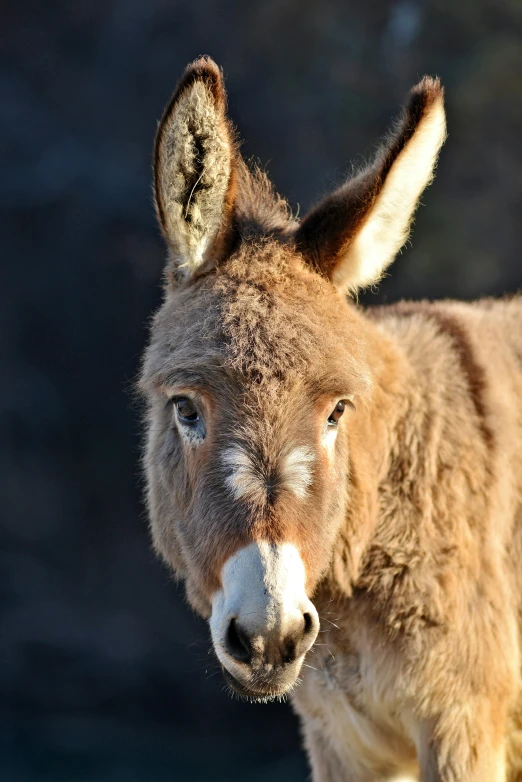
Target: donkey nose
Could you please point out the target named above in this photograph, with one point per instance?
(273, 647)
(238, 644)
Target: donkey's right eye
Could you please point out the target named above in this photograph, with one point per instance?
(186, 410)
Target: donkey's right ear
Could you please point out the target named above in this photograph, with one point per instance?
(194, 157)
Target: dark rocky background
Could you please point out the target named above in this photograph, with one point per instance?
(105, 674)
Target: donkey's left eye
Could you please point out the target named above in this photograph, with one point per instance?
(186, 410)
(337, 412)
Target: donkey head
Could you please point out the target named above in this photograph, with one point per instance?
(257, 369)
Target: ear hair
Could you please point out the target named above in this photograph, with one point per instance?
(194, 155)
(354, 234)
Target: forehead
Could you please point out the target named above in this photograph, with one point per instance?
(264, 321)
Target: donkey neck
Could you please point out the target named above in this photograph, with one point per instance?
(414, 489)
(393, 380)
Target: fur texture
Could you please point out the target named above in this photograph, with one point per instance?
(247, 480)
(407, 520)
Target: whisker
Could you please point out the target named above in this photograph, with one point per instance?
(332, 623)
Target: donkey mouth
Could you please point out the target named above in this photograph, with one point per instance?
(259, 692)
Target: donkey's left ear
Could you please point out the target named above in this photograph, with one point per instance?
(194, 157)
(355, 233)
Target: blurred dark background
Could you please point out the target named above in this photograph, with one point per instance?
(105, 673)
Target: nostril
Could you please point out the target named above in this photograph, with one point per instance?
(309, 630)
(237, 643)
(308, 623)
(288, 652)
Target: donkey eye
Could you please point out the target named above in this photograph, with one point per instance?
(186, 410)
(337, 412)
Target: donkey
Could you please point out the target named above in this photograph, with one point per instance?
(320, 470)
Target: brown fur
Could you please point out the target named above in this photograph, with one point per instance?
(411, 534)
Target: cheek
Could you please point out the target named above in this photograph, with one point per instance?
(192, 437)
(328, 444)
(163, 451)
(172, 470)
(191, 529)
(333, 450)
(191, 452)
(321, 518)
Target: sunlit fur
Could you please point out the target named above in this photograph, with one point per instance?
(246, 481)
(296, 471)
(403, 523)
(243, 479)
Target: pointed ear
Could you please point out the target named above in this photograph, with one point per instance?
(194, 170)
(355, 233)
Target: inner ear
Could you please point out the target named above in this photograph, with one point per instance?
(194, 170)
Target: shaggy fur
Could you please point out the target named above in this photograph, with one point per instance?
(409, 522)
